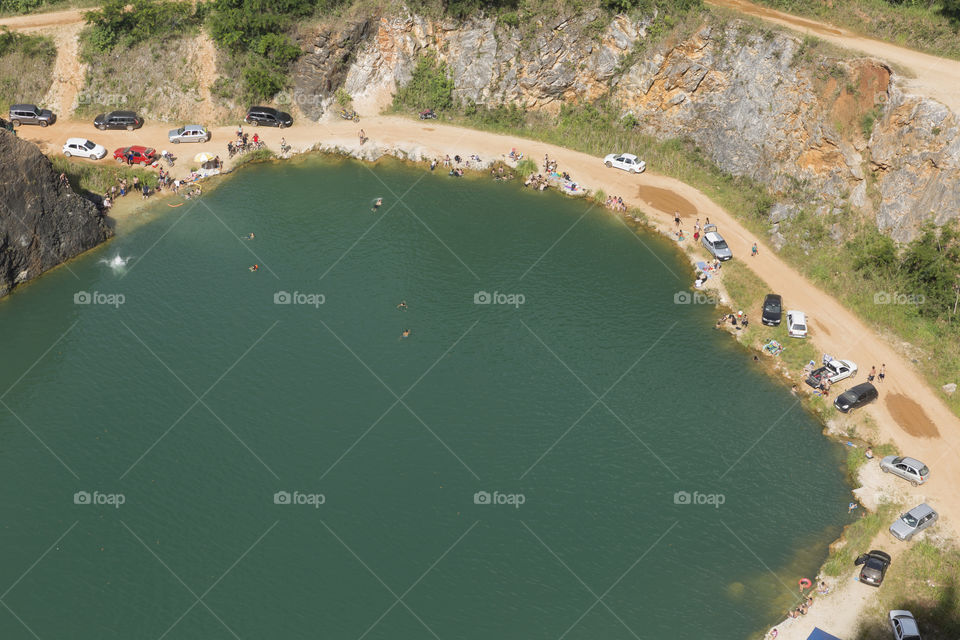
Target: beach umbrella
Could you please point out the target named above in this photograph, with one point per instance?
(204, 157)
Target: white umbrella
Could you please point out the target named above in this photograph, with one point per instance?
(204, 157)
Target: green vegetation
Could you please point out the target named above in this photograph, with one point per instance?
(87, 177)
(260, 155)
(856, 458)
(857, 538)
(932, 26)
(119, 23)
(256, 34)
(430, 87)
(32, 58)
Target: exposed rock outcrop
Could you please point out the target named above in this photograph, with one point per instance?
(837, 132)
(43, 223)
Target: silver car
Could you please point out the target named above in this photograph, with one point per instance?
(189, 133)
(913, 521)
(904, 625)
(910, 469)
(715, 244)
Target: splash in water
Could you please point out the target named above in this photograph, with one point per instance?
(117, 262)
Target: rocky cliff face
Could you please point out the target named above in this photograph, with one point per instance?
(42, 223)
(757, 102)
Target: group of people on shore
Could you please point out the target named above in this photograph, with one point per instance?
(121, 188)
(615, 203)
(738, 322)
(801, 609)
(243, 143)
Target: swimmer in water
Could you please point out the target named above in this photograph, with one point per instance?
(251, 237)
(377, 204)
(402, 306)
(405, 334)
(255, 267)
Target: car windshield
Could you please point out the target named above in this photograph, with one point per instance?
(720, 244)
(909, 519)
(874, 563)
(181, 130)
(89, 145)
(773, 306)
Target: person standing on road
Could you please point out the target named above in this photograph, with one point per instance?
(676, 218)
(883, 372)
(872, 374)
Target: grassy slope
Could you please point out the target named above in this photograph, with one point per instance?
(26, 69)
(917, 25)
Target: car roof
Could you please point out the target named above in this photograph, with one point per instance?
(909, 625)
(77, 141)
(264, 109)
(920, 510)
(121, 114)
(913, 462)
(797, 315)
(712, 236)
(24, 107)
(861, 388)
(628, 155)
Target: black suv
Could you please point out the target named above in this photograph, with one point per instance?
(31, 114)
(118, 120)
(856, 397)
(268, 116)
(772, 310)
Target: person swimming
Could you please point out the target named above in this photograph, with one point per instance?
(377, 204)
(405, 334)
(402, 306)
(251, 236)
(255, 267)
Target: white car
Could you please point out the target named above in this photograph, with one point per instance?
(904, 625)
(796, 324)
(83, 148)
(625, 161)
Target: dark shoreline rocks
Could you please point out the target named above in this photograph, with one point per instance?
(43, 222)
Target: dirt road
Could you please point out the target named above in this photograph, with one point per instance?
(937, 78)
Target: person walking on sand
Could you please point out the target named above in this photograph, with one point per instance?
(363, 136)
(676, 218)
(753, 250)
(883, 372)
(872, 374)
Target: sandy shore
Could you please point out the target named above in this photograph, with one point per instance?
(909, 413)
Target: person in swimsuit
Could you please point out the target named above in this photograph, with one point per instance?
(405, 334)
(255, 267)
(883, 372)
(402, 306)
(377, 204)
(872, 374)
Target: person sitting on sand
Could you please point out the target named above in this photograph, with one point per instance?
(869, 453)
(823, 589)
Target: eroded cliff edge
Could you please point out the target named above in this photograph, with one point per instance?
(837, 131)
(43, 223)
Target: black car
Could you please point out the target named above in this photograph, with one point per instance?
(772, 310)
(856, 397)
(874, 568)
(118, 120)
(268, 116)
(31, 114)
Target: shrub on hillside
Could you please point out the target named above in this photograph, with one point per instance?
(430, 87)
(123, 23)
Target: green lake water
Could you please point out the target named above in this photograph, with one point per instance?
(582, 409)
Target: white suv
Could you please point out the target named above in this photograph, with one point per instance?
(83, 148)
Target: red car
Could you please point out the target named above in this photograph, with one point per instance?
(141, 155)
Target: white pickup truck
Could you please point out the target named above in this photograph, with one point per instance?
(832, 370)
